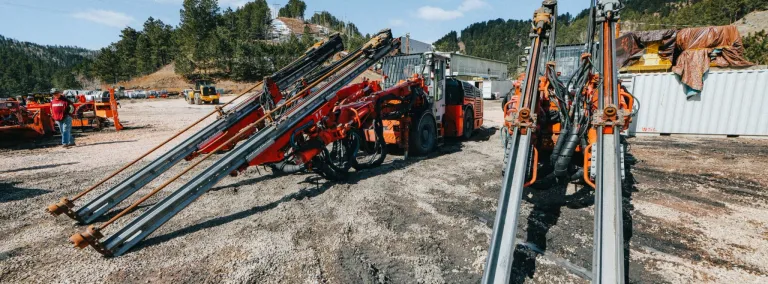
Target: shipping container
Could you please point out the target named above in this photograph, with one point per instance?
(733, 103)
(466, 67)
(495, 89)
(412, 46)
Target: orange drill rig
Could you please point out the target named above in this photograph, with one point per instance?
(558, 132)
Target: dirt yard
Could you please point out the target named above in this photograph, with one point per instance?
(699, 215)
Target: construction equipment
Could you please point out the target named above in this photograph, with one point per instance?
(18, 122)
(227, 125)
(266, 131)
(204, 92)
(89, 114)
(548, 118)
(451, 108)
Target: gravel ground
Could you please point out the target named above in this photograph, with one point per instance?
(699, 214)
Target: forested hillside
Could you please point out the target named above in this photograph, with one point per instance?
(209, 42)
(28, 67)
(233, 44)
(505, 39)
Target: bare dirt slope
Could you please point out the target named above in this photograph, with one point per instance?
(700, 215)
(167, 79)
(753, 22)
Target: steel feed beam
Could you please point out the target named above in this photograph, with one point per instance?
(97, 207)
(143, 225)
(498, 267)
(608, 250)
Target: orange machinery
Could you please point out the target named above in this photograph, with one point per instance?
(447, 106)
(18, 122)
(92, 114)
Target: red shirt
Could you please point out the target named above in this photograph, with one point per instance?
(60, 108)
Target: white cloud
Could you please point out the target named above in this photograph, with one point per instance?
(222, 3)
(396, 22)
(469, 5)
(232, 3)
(439, 14)
(104, 17)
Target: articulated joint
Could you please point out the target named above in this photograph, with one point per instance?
(522, 120)
(63, 207)
(91, 237)
(610, 116)
(542, 19)
(608, 10)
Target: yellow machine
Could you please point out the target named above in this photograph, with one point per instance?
(204, 92)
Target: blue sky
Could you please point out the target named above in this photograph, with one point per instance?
(96, 23)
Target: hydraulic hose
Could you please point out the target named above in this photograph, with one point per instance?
(566, 153)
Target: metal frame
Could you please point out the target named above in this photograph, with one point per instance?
(97, 207)
(143, 225)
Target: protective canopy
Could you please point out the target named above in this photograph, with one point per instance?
(632, 46)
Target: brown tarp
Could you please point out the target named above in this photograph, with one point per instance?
(697, 44)
(631, 46)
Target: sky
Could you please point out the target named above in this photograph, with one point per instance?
(94, 24)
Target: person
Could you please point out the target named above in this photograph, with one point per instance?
(61, 111)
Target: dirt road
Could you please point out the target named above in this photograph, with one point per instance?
(700, 215)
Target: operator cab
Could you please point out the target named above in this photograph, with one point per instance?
(206, 87)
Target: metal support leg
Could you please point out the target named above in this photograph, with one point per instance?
(608, 254)
(498, 267)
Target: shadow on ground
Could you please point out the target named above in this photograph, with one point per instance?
(548, 206)
(38, 167)
(9, 192)
(316, 187)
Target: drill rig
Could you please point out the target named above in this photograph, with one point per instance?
(578, 123)
(285, 121)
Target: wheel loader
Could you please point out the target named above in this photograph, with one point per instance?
(204, 92)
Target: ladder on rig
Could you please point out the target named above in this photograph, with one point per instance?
(608, 249)
(293, 111)
(283, 79)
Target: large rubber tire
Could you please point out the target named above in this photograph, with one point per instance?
(469, 123)
(423, 135)
(216, 101)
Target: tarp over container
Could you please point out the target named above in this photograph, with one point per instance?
(696, 46)
(632, 45)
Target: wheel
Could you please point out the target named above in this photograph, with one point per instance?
(216, 101)
(469, 123)
(337, 158)
(423, 135)
(369, 154)
(493, 97)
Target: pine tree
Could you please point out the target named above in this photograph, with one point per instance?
(294, 9)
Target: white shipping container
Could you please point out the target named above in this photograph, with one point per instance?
(732, 103)
(496, 89)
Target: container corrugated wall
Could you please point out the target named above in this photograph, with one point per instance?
(732, 103)
(463, 65)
